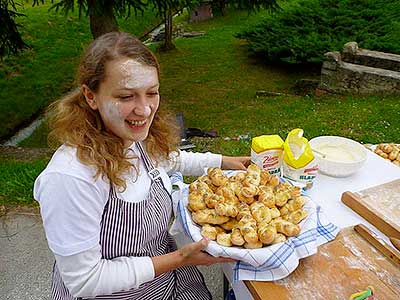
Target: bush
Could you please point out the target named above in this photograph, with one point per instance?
(303, 30)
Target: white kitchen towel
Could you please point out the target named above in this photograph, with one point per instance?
(265, 264)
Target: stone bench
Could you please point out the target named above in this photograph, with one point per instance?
(360, 71)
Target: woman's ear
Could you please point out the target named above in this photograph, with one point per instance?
(89, 96)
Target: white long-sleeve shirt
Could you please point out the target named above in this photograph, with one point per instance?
(72, 203)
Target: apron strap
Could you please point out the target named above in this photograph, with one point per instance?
(153, 172)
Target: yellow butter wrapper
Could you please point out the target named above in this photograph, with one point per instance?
(267, 153)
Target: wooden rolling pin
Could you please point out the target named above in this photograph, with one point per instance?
(379, 244)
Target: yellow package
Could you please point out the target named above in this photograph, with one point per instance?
(267, 153)
(298, 159)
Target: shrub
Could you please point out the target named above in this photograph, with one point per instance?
(303, 30)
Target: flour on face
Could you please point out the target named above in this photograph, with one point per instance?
(112, 115)
(136, 75)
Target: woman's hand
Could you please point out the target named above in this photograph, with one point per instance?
(189, 255)
(235, 162)
(193, 255)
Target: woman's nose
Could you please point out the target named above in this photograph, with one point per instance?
(142, 108)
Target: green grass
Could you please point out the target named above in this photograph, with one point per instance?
(38, 137)
(212, 80)
(30, 81)
(16, 181)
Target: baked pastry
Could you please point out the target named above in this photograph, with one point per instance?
(266, 196)
(260, 212)
(275, 213)
(229, 225)
(282, 197)
(249, 209)
(296, 216)
(209, 231)
(217, 177)
(279, 238)
(227, 209)
(237, 238)
(208, 216)
(266, 233)
(224, 239)
(286, 227)
(196, 201)
(292, 205)
(254, 245)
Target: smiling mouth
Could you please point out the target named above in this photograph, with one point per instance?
(136, 123)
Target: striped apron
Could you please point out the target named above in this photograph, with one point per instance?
(141, 229)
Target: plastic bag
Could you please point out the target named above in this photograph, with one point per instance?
(298, 159)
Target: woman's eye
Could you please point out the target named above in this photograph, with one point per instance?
(152, 94)
(125, 97)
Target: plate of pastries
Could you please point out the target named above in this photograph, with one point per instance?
(390, 152)
(250, 209)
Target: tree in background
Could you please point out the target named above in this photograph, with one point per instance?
(166, 9)
(10, 38)
(103, 14)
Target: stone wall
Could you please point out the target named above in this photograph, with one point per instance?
(360, 71)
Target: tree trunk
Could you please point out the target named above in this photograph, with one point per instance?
(218, 7)
(168, 45)
(222, 7)
(102, 20)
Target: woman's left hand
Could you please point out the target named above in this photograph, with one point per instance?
(235, 162)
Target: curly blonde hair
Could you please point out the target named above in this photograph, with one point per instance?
(74, 123)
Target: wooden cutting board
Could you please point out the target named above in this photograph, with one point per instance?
(340, 268)
(379, 205)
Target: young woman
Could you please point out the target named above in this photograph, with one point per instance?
(105, 194)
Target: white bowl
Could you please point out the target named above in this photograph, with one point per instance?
(343, 157)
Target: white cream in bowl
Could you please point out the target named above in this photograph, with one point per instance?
(341, 152)
(341, 156)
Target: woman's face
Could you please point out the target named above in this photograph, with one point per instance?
(127, 99)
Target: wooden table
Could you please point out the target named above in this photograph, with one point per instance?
(340, 268)
(327, 193)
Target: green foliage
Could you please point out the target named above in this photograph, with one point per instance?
(10, 38)
(303, 30)
(16, 180)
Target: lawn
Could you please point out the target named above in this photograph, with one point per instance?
(17, 178)
(214, 83)
(212, 80)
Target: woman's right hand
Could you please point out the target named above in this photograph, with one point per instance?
(193, 255)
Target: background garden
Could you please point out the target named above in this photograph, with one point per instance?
(212, 79)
